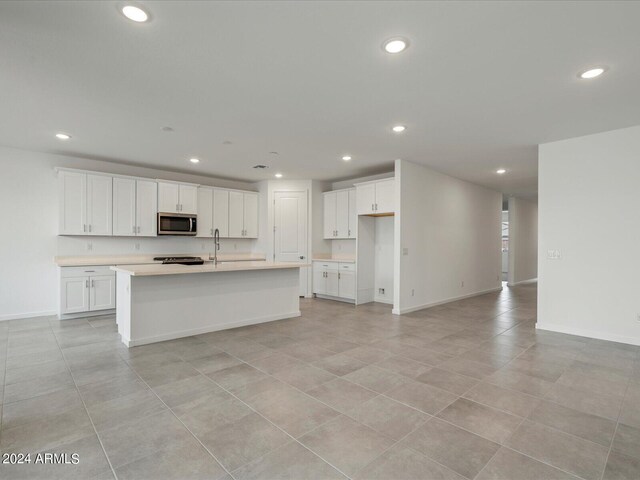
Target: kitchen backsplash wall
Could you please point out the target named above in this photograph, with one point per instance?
(162, 244)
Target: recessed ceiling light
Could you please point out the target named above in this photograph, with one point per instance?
(500, 171)
(135, 13)
(278, 175)
(346, 158)
(194, 160)
(63, 136)
(399, 128)
(592, 73)
(395, 45)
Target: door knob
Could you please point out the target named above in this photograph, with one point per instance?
(301, 257)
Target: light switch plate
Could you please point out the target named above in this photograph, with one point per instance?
(405, 251)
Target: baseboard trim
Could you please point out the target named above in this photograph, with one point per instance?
(97, 313)
(581, 332)
(402, 311)
(337, 299)
(522, 282)
(383, 300)
(19, 316)
(211, 328)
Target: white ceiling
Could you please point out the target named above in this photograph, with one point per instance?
(480, 86)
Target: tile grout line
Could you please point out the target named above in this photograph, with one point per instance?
(272, 423)
(615, 431)
(84, 405)
(177, 418)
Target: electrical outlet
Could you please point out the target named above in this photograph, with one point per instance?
(137, 246)
(413, 292)
(381, 291)
(89, 246)
(462, 284)
(638, 318)
(405, 251)
(235, 246)
(554, 254)
(202, 246)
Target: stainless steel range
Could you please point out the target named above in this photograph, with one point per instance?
(179, 260)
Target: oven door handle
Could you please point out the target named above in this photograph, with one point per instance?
(190, 224)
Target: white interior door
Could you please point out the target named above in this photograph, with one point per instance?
(290, 233)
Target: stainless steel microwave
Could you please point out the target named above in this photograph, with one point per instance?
(177, 224)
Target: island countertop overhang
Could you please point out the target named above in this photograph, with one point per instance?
(146, 270)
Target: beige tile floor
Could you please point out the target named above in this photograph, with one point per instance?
(464, 390)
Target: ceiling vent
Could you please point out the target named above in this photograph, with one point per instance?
(260, 166)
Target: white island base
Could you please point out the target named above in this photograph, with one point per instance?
(199, 299)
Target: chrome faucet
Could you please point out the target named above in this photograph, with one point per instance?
(216, 242)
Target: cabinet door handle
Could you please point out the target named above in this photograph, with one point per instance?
(86, 283)
(373, 207)
(92, 285)
(376, 207)
(89, 227)
(84, 228)
(349, 232)
(338, 275)
(177, 207)
(138, 229)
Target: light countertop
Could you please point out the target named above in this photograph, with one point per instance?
(145, 270)
(333, 259)
(89, 260)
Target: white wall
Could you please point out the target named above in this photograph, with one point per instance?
(383, 269)
(28, 235)
(523, 240)
(589, 190)
(451, 231)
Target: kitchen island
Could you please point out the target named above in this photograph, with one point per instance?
(162, 302)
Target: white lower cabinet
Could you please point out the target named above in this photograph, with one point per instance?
(87, 289)
(334, 279)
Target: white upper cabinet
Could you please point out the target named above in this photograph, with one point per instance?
(342, 214)
(99, 204)
(385, 196)
(236, 214)
(251, 215)
(339, 222)
(353, 214)
(85, 203)
(177, 198)
(168, 197)
(134, 207)
(205, 212)
(376, 198)
(221, 212)
(330, 203)
(188, 199)
(243, 215)
(146, 208)
(124, 206)
(72, 193)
